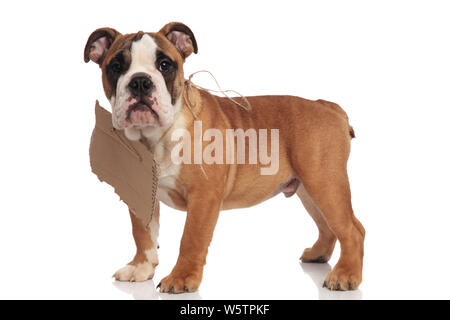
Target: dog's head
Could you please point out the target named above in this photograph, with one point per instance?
(142, 74)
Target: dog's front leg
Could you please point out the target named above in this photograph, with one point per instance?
(142, 267)
(202, 214)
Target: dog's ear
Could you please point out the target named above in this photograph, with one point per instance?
(98, 44)
(181, 37)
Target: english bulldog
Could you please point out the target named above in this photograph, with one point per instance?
(143, 79)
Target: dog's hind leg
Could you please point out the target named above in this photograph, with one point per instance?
(322, 170)
(322, 250)
(142, 267)
(330, 190)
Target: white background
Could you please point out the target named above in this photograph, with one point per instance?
(387, 63)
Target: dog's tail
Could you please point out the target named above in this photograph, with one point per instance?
(351, 131)
(335, 107)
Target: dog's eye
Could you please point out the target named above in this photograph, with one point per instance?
(165, 65)
(116, 67)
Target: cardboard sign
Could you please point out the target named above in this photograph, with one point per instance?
(128, 166)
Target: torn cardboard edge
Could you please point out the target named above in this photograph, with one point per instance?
(128, 166)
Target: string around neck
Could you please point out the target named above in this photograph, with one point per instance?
(189, 83)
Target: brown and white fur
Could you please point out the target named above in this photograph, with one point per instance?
(143, 79)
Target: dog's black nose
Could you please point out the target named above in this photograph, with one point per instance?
(140, 86)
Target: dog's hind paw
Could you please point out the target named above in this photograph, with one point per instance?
(314, 256)
(342, 280)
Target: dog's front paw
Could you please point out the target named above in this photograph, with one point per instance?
(342, 279)
(180, 283)
(140, 272)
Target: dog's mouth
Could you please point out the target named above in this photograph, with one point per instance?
(142, 106)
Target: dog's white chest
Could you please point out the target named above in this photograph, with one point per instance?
(168, 176)
(167, 185)
(168, 170)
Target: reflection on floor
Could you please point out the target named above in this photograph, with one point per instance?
(316, 271)
(147, 291)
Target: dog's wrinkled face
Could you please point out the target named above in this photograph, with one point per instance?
(142, 74)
